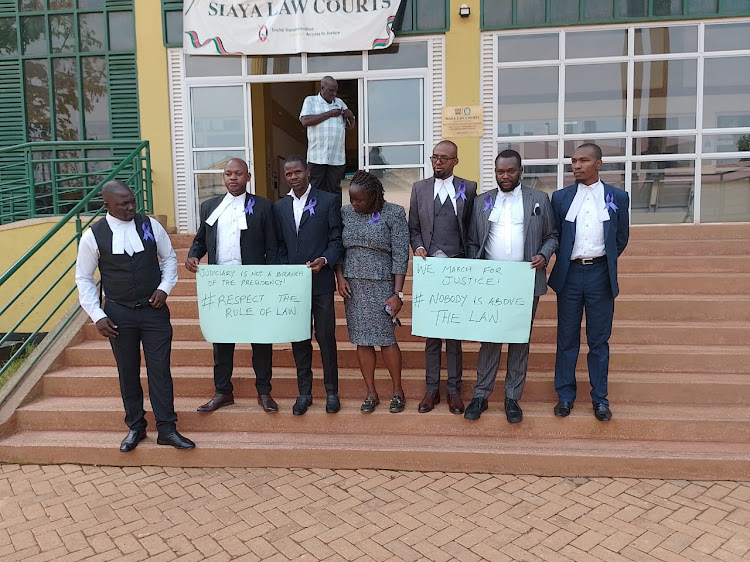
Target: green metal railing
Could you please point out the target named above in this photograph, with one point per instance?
(75, 189)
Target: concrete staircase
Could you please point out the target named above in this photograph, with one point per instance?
(679, 387)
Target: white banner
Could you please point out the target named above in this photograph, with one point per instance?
(276, 27)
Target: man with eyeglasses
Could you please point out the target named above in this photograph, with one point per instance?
(439, 213)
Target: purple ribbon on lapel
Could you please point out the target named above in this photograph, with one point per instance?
(609, 203)
(488, 203)
(311, 206)
(374, 218)
(249, 206)
(146, 228)
(461, 193)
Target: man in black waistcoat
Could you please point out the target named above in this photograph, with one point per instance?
(138, 269)
(237, 228)
(308, 227)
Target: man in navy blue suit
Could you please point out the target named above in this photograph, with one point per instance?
(592, 220)
(308, 227)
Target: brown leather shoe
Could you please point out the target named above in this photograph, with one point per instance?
(428, 402)
(218, 401)
(455, 404)
(267, 403)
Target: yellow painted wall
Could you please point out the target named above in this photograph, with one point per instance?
(16, 239)
(462, 77)
(153, 97)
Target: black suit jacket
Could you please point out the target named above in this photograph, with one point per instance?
(319, 236)
(258, 243)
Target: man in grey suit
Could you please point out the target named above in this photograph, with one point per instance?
(513, 224)
(439, 214)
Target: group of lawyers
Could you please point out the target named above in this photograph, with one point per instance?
(362, 252)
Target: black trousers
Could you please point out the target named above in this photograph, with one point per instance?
(327, 177)
(151, 328)
(224, 363)
(324, 323)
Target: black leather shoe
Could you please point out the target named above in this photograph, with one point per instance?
(302, 404)
(563, 409)
(131, 440)
(176, 440)
(513, 411)
(267, 403)
(218, 401)
(333, 404)
(475, 409)
(602, 412)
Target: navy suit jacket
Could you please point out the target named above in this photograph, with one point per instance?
(319, 236)
(616, 233)
(257, 242)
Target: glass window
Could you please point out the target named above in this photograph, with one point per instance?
(389, 122)
(610, 147)
(664, 145)
(67, 116)
(662, 192)
(665, 95)
(595, 98)
(666, 40)
(399, 55)
(207, 65)
(275, 65)
(173, 28)
(633, 8)
(668, 8)
(33, 35)
(541, 176)
(218, 116)
(610, 43)
(598, 10)
(514, 48)
(735, 6)
(36, 86)
(61, 34)
(90, 4)
(530, 12)
(728, 37)
(208, 186)
(524, 110)
(96, 98)
(8, 46)
(121, 31)
(563, 11)
(92, 32)
(394, 155)
(726, 86)
(726, 143)
(397, 184)
(725, 190)
(531, 150)
(334, 63)
(430, 15)
(498, 13)
(60, 4)
(702, 7)
(215, 159)
(32, 5)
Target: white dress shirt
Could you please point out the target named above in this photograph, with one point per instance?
(229, 225)
(444, 188)
(88, 261)
(589, 219)
(506, 236)
(298, 204)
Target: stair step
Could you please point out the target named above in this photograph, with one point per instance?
(630, 421)
(545, 331)
(197, 384)
(682, 359)
(544, 457)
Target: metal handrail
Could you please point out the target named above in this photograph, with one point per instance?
(140, 160)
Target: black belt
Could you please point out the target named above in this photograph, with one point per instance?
(589, 261)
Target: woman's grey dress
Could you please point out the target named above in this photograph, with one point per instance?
(374, 251)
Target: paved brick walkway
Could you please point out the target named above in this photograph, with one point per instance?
(74, 512)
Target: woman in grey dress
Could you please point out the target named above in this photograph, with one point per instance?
(370, 278)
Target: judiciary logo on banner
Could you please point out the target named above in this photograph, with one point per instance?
(227, 27)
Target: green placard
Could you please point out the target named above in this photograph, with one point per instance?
(254, 303)
(476, 300)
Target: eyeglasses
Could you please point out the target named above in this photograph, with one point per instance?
(441, 159)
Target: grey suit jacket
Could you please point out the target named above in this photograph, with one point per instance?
(540, 234)
(422, 210)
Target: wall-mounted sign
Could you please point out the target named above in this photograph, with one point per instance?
(462, 121)
(277, 27)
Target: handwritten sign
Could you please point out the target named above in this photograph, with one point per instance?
(477, 300)
(463, 121)
(254, 303)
